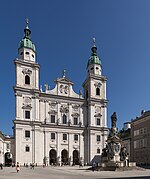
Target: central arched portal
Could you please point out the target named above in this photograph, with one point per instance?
(52, 157)
(8, 159)
(64, 157)
(75, 157)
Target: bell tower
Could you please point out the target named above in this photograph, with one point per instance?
(96, 105)
(26, 92)
(27, 70)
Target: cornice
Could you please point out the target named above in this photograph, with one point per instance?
(21, 62)
(26, 90)
(58, 97)
(91, 76)
(43, 125)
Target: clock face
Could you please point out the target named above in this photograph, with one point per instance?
(64, 89)
(61, 88)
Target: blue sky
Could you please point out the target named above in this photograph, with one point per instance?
(63, 32)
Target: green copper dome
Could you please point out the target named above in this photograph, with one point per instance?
(94, 59)
(26, 41)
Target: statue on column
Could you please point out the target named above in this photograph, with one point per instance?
(113, 120)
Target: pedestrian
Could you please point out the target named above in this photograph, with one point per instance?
(17, 167)
(1, 165)
(32, 165)
(93, 166)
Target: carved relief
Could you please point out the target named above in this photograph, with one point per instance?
(97, 111)
(75, 115)
(27, 102)
(97, 84)
(52, 112)
(75, 107)
(26, 71)
(64, 109)
(52, 105)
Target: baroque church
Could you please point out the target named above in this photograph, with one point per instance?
(57, 126)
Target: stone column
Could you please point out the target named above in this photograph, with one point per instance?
(58, 144)
(70, 148)
(33, 143)
(81, 148)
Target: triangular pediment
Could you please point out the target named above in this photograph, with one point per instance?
(64, 80)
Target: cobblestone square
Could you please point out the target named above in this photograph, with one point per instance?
(70, 173)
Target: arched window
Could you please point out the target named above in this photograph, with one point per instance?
(97, 91)
(27, 79)
(64, 119)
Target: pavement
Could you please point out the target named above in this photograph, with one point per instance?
(67, 172)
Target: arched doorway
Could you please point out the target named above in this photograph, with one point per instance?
(8, 159)
(64, 157)
(75, 157)
(52, 157)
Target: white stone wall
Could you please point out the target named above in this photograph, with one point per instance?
(6, 145)
(58, 101)
(24, 68)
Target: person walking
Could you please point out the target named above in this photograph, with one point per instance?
(1, 165)
(17, 167)
(93, 166)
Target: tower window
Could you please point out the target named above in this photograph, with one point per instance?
(53, 136)
(92, 68)
(75, 120)
(52, 118)
(27, 53)
(75, 137)
(64, 136)
(27, 114)
(97, 68)
(21, 53)
(98, 122)
(64, 120)
(98, 151)
(27, 134)
(27, 79)
(98, 138)
(32, 55)
(97, 91)
(27, 149)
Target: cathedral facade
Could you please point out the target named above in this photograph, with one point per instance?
(58, 126)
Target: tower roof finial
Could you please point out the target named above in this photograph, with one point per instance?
(94, 42)
(94, 48)
(27, 31)
(27, 22)
(64, 73)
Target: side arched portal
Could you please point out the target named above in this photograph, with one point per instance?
(64, 157)
(8, 159)
(52, 157)
(75, 157)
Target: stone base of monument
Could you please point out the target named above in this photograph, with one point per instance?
(110, 166)
(113, 166)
